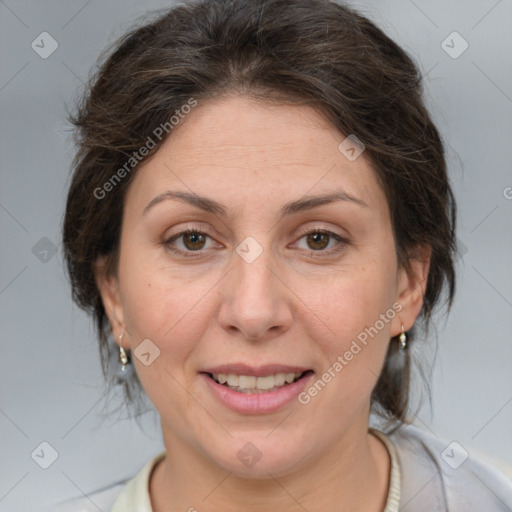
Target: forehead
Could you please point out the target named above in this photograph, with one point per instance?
(237, 148)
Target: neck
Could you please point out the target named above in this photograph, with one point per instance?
(352, 476)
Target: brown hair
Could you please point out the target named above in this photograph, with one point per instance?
(312, 51)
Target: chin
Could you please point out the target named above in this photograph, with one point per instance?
(259, 456)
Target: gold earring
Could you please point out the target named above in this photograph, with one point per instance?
(403, 338)
(123, 356)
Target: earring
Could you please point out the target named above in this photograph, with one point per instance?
(402, 338)
(123, 356)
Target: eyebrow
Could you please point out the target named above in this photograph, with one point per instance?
(211, 206)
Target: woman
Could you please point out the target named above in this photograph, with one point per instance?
(260, 220)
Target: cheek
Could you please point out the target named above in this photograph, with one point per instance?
(161, 305)
(168, 310)
(344, 318)
(346, 303)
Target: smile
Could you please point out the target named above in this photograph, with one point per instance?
(251, 394)
(252, 384)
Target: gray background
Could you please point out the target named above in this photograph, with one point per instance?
(50, 382)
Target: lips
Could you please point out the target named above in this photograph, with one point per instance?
(253, 400)
(261, 388)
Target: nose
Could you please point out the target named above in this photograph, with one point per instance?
(256, 302)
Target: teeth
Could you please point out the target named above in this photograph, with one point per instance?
(245, 382)
(264, 382)
(289, 377)
(279, 379)
(249, 383)
(232, 380)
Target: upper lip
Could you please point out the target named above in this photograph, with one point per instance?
(259, 371)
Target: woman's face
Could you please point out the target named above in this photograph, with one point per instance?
(255, 290)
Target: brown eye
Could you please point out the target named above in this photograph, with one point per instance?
(188, 243)
(318, 240)
(194, 240)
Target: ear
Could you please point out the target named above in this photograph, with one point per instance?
(411, 289)
(108, 286)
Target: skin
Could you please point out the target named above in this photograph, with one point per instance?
(290, 306)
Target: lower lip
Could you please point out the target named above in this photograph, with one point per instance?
(257, 403)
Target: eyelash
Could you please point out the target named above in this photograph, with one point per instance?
(343, 242)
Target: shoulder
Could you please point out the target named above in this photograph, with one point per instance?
(99, 500)
(135, 495)
(126, 496)
(446, 476)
